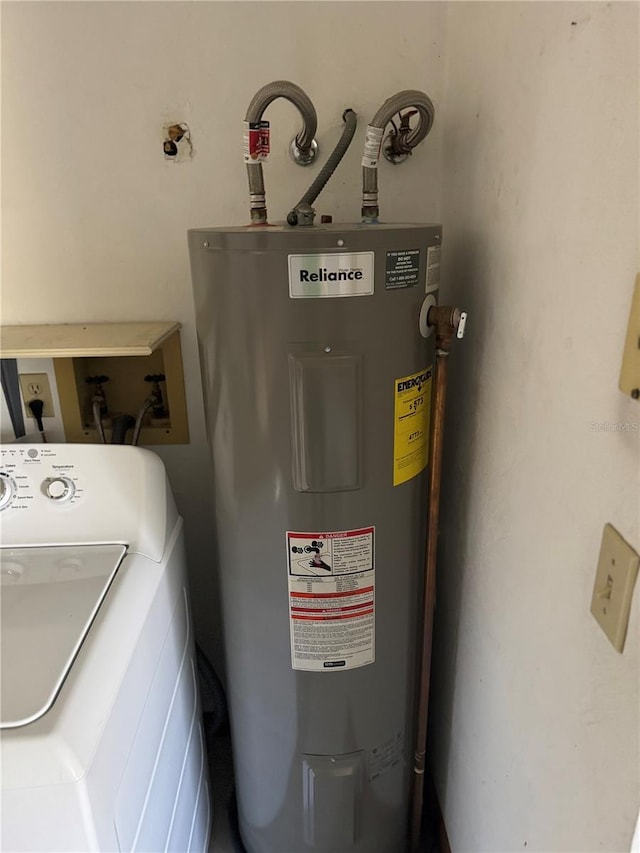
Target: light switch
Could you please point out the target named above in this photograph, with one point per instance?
(630, 371)
(613, 589)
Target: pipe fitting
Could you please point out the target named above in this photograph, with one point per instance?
(303, 157)
(302, 214)
(370, 214)
(370, 210)
(445, 319)
(444, 316)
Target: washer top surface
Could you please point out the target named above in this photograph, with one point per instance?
(48, 599)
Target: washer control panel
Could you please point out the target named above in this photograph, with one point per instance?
(63, 494)
(29, 472)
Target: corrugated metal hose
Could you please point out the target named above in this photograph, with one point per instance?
(350, 120)
(260, 101)
(410, 98)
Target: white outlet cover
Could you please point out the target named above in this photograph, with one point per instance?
(613, 587)
(36, 385)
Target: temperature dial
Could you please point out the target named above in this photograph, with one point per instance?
(7, 490)
(59, 488)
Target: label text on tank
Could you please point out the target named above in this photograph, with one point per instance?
(324, 275)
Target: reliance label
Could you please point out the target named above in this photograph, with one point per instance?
(337, 274)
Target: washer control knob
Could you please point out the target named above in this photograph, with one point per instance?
(59, 488)
(7, 490)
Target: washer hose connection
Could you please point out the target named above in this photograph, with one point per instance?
(406, 141)
(303, 141)
(151, 401)
(97, 404)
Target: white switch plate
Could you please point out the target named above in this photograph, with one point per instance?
(613, 589)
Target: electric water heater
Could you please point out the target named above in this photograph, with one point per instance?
(317, 372)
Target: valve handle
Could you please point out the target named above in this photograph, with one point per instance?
(462, 324)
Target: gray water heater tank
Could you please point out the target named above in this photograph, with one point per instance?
(317, 385)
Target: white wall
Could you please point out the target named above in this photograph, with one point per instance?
(95, 219)
(536, 717)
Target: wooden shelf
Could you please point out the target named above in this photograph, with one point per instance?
(77, 340)
(81, 350)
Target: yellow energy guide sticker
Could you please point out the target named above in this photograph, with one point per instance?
(411, 425)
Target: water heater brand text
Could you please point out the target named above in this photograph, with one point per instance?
(324, 275)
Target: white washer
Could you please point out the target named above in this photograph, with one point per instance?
(101, 740)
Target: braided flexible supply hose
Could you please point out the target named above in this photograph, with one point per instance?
(350, 123)
(96, 403)
(409, 98)
(260, 101)
(144, 408)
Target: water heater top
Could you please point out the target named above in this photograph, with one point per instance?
(282, 237)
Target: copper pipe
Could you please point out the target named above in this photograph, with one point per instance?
(446, 321)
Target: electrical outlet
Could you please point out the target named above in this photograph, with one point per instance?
(613, 588)
(36, 386)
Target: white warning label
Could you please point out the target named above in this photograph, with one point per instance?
(372, 146)
(433, 268)
(331, 599)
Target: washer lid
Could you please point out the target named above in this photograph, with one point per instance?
(49, 597)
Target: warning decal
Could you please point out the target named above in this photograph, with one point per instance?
(256, 141)
(372, 146)
(331, 599)
(433, 268)
(411, 425)
(402, 270)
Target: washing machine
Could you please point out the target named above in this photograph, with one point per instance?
(101, 739)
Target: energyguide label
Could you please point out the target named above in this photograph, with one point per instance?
(331, 599)
(412, 417)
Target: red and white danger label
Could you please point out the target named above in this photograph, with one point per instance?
(331, 599)
(256, 141)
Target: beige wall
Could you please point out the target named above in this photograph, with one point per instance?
(94, 218)
(536, 718)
